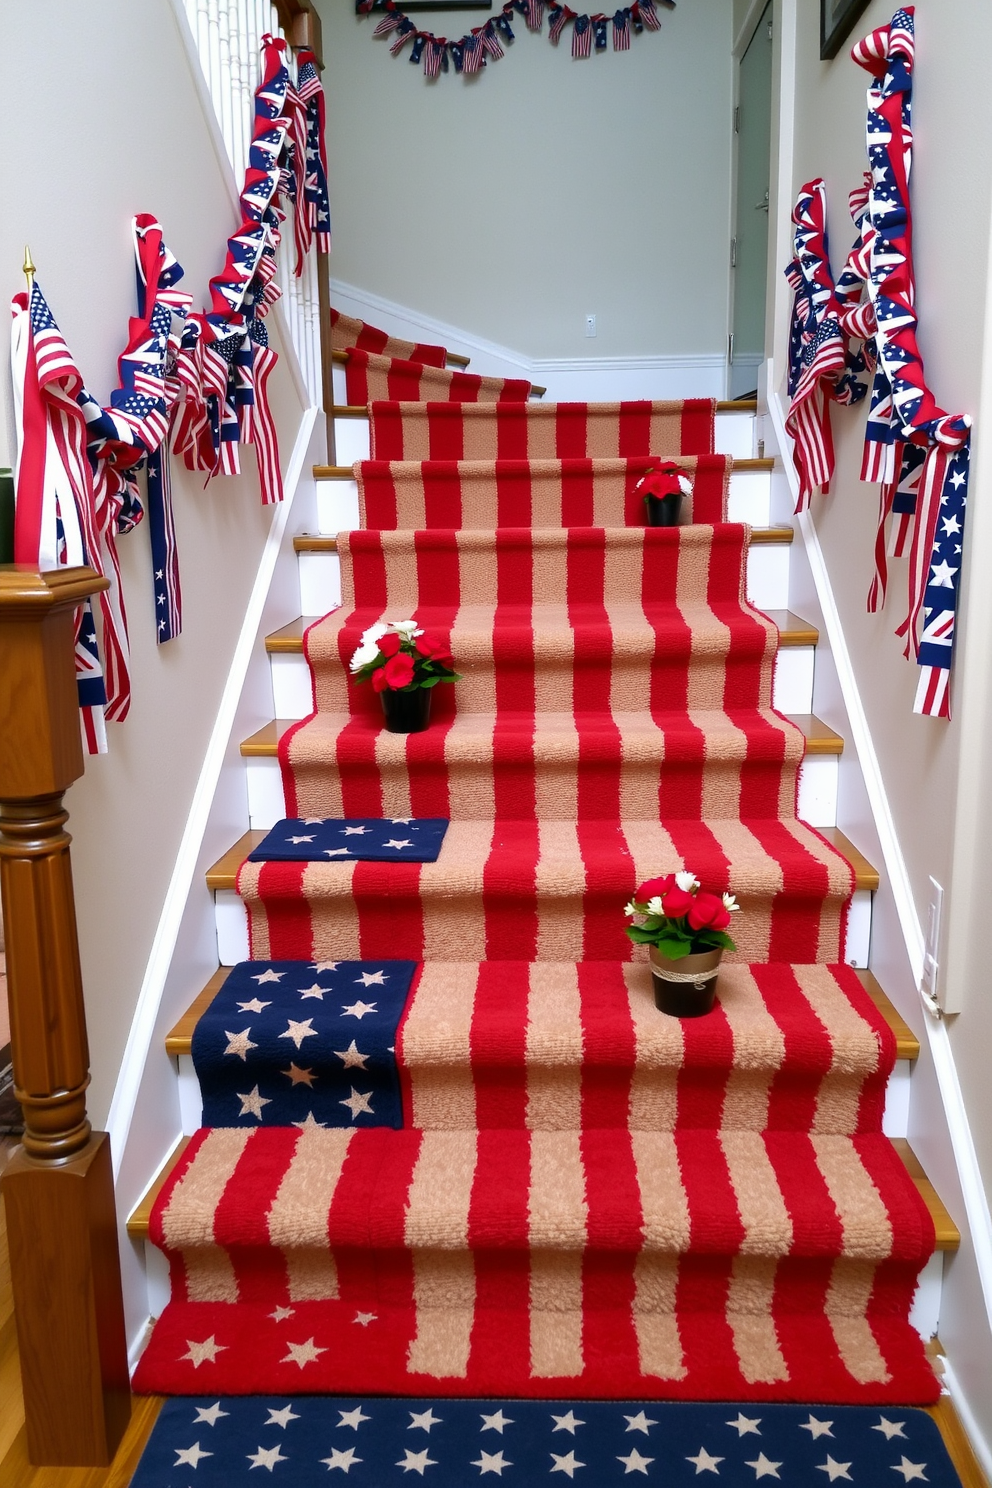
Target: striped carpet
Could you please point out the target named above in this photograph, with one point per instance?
(587, 1199)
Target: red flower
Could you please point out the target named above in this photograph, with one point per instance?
(653, 886)
(707, 913)
(663, 482)
(390, 643)
(379, 679)
(433, 646)
(677, 901)
(398, 672)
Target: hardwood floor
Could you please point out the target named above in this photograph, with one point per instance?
(17, 1472)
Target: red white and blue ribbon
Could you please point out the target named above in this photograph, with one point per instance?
(485, 43)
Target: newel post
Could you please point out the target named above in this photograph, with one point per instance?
(58, 1186)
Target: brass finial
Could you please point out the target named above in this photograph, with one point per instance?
(29, 269)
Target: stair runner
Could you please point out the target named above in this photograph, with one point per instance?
(585, 1198)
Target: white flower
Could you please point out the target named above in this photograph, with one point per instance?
(687, 882)
(374, 632)
(366, 652)
(730, 903)
(655, 906)
(630, 909)
(406, 628)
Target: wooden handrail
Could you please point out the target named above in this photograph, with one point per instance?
(58, 1186)
(301, 24)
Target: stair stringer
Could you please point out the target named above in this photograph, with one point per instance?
(960, 1297)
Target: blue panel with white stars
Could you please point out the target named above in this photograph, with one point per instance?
(299, 1043)
(375, 1443)
(366, 839)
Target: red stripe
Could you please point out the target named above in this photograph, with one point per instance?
(609, 1049)
(571, 431)
(634, 428)
(498, 1040)
(697, 427)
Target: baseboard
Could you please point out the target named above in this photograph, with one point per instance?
(566, 378)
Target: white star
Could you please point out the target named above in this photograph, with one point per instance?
(352, 1058)
(353, 1418)
(302, 1353)
(958, 479)
(889, 1429)
(312, 821)
(705, 1463)
(416, 1461)
(492, 1462)
(281, 1417)
(239, 1043)
(744, 1426)
(424, 1420)
(299, 1076)
(190, 1455)
(337, 852)
(267, 1457)
(324, 965)
(566, 1464)
(763, 1468)
(161, 625)
(364, 1318)
(640, 1422)
(269, 976)
(281, 1314)
(207, 1350)
(297, 840)
(495, 1422)
(252, 1103)
(398, 844)
(343, 1460)
(209, 1414)
(835, 1469)
(255, 1006)
(943, 573)
(567, 1422)
(635, 1462)
(316, 991)
(911, 1470)
(372, 979)
(358, 1104)
(359, 1009)
(818, 1428)
(159, 574)
(951, 524)
(356, 832)
(299, 1031)
(400, 821)
(310, 1124)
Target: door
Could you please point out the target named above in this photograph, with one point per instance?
(749, 252)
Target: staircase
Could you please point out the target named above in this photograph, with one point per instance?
(767, 589)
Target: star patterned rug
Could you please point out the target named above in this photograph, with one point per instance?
(452, 1443)
(400, 839)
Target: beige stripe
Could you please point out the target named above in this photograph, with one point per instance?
(721, 795)
(759, 1050)
(755, 876)
(441, 1191)
(664, 1205)
(557, 775)
(472, 645)
(480, 497)
(468, 752)
(402, 578)
(477, 568)
(855, 1047)
(554, 653)
(851, 1286)
(643, 748)
(555, 1315)
(301, 1206)
(561, 882)
(333, 917)
(550, 560)
(554, 1047)
(608, 496)
(623, 567)
(542, 443)
(763, 1211)
(659, 1046)
(666, 429)
(651, 848)
(188, 1218)
(391, 763)
(444, 1297)
(693, 575)
(749, 1315)
(451, 889)
(557, 1209)
(867, 1229)
(659, 1347)
(437, 1046)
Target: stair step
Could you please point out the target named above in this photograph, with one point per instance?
(454, 359)
(346, 472)
(317, 542)
(264, 743)
(793, 631)
(360, 410)
(948, 1236)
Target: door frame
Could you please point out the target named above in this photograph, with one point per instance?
(742, 41)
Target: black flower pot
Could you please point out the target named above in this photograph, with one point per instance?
(407, 712)
(663, 511)
(686, 988)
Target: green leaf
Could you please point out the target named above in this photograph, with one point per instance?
(431, 681)
(639, 936)
(712, 939)
(674, 949)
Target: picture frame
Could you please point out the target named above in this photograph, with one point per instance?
(837, 18)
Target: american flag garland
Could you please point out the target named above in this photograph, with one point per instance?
(919, 454)
(199, 379)
(472, 52)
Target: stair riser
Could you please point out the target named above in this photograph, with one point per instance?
(749, 501)
(733, 435)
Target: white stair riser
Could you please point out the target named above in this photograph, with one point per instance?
(749, 500)
(925, 1312)
(817, 791)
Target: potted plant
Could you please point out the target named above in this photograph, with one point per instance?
(663, 490)
(685, 930)
(403, 663)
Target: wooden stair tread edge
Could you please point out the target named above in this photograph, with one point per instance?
(327, 542)
(948, 1236)
(907, 1044)
(739, 405)
(865, 875)
(264, 742)
(179, 1039)
(347, 472)
(793, 631)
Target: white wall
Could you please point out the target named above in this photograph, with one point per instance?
(79, 171)
(515, 203)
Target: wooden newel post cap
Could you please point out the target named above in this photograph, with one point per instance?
(40, 748)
